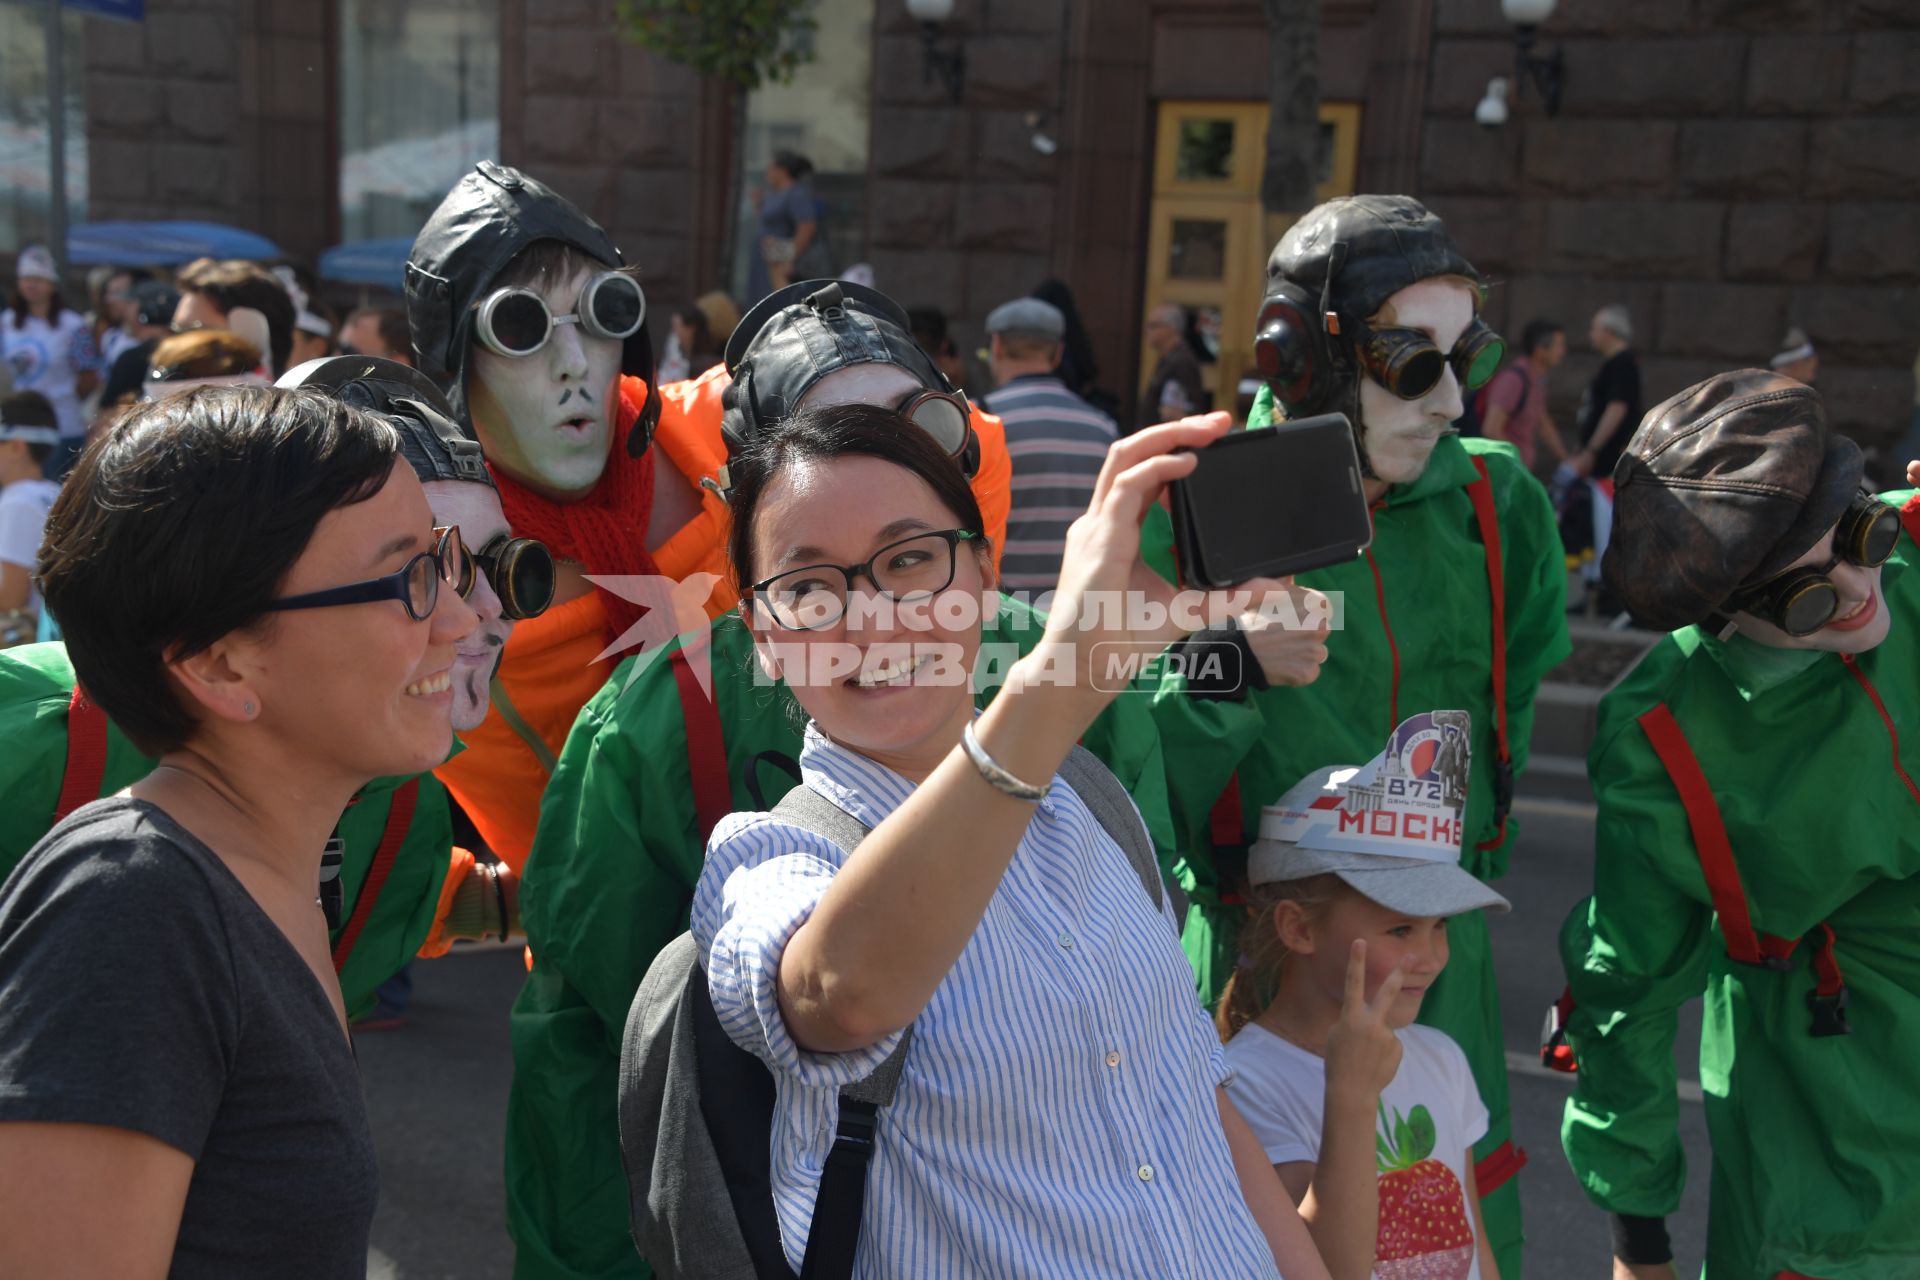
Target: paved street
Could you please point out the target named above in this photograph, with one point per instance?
(437, 1089)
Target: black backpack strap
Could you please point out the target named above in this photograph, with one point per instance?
(750, 775)
(1110, 804)
(834, 1239)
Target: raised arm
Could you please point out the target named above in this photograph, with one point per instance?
(897, 915)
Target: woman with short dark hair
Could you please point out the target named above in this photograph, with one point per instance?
(252, 589)
(1061, 1111)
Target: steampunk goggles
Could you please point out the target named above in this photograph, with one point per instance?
(521, 573)
(1408, 363)
(517, 322)
(1803, 600)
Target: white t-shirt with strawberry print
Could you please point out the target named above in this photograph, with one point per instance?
(1428, 1118)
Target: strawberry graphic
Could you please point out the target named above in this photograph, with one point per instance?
(1425, 1233)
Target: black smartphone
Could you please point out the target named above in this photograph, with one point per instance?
(1266, 503)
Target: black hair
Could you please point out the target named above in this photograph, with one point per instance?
(180, 525)
(236, 283)
(1538, 334)
(31, 409)
(22, 311)
(839, 431)
(1077, 367)
(391, 323)
(695, 319)
(798, 167)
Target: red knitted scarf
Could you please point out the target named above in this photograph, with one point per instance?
(606, 531)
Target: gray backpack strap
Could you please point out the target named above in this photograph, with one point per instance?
(810, 811)
(665, 1146)
(1114, 809)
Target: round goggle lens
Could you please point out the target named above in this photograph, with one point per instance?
(1483, 362)
(1416, 371)
(519, 322)
(1880, 536)
(944, 420)
(528, 570)
(1809, 609)
(616, 305)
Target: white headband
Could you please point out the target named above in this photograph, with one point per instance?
(32, 435)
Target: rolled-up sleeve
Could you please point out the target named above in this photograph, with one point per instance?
(761, 882)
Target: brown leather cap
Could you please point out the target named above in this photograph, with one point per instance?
(1724, 485)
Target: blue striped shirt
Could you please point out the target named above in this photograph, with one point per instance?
(1057, 1115)
(1057, 442)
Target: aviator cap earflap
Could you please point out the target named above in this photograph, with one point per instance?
(1343, 260)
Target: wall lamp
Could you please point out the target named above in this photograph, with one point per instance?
(1546, 71)
(948, 60)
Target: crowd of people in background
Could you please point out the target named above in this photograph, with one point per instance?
(500, 611)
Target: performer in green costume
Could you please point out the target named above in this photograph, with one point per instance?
(1458, 603)
(402, 883)
(1758, 843)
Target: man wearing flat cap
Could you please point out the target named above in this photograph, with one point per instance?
(1057, 440)
(1758, 778)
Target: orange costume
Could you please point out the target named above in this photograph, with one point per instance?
(551, 665)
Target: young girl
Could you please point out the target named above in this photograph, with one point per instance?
(1369, 1120)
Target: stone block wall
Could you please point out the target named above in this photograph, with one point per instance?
(215, 110)
(962, 213)
(1726, 169)
(627, 135)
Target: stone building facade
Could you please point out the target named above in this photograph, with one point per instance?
(1726, 168)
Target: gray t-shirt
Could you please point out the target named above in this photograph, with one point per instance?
(142, 988)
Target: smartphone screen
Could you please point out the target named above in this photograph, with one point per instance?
(1284, 499)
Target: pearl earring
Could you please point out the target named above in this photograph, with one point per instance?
(248, 708)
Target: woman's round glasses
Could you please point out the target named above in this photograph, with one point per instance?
(815, 596)
(416, 584)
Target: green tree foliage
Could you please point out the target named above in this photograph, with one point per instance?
(746, 43)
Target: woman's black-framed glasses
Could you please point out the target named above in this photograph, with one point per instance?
(416, 584)
(815, 595)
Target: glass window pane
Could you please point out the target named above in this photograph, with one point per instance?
(1198, 249)
(1206, 151)
(25, 147)
(419, 104)
(822, 116)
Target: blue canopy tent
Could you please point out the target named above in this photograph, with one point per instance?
(381, 263)
(163, 244)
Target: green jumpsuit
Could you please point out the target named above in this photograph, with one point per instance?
(1416, 636)
(610, 881)
(36, 683)
(1812, 762)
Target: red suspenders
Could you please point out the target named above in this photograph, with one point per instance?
(1227, 821)
(1745, 944)
(392, 836)
(706, 748)
(86, 755)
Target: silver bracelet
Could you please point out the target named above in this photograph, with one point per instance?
(990, 769)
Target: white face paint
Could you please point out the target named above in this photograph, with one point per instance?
(547, 419)
(1859, 624)
(885, 385)
(1400, 434)
(476, 509)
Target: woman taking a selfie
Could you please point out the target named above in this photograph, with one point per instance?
(252, 589)
(1060, 1111)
